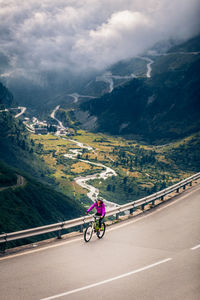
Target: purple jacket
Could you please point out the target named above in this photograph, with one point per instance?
(100, 209)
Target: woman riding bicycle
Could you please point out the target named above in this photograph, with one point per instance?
(100, 207)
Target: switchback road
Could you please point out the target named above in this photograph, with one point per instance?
(156, 256)
(20, 182)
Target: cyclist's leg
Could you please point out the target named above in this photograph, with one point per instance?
(100, 222)
(98, 215)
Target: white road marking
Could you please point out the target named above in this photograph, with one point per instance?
(195, 247)
(107, 280)
(108, 230)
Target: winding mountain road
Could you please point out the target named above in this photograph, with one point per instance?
(20, 182)
(108, 77)
(23, 109)
(149, 63)
(156, 256)
(53, 117)
(76, 97)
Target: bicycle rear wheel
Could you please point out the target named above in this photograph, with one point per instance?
(101, 233)
(88, 233)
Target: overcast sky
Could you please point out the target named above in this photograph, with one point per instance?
(46, 35)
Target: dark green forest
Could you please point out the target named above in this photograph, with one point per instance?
(32, 204)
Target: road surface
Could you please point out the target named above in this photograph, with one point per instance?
(156, 256)
(20, 182)
(23, 109)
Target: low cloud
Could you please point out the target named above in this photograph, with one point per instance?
(44, 36)
(113, 41)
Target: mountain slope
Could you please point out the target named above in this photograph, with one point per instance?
(32, 203)
(16, 148)
(163, 107)
(25, 201)
(6, 98)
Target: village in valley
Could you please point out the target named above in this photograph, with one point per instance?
(36, 126)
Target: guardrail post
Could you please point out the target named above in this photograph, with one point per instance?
(191, 183)
(177, 190)
(131, 210)
(162, 198)
(184, 186)
(117, 216)
(153, 202)
(81, 228)
(3, 247)
(59, 235)
(142, 206)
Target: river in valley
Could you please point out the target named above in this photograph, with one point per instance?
(83, 181)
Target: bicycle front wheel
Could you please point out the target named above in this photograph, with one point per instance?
(101, 233)
(88, 233)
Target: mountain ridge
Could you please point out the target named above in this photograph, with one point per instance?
(161, 107)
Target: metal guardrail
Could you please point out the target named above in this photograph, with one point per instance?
(131, 206)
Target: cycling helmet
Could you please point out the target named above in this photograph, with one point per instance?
(100, 199)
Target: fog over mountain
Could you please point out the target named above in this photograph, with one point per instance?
(39, 37)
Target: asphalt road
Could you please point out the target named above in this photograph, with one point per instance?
(154, 257)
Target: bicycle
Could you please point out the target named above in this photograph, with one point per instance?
(94, 227)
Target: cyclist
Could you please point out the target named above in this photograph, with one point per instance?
(100, 207)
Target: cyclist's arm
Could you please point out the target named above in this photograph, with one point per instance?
(91, 207)
(103, 210)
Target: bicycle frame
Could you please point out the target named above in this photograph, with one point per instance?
(94, 225)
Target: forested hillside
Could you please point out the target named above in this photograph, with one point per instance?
(30, 203)
(16, 148)
(157, 109)
(6, 98)
(27, 197)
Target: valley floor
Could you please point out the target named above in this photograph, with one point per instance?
(136, 170)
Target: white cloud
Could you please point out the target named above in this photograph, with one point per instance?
(48, 35)
(114, 40)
